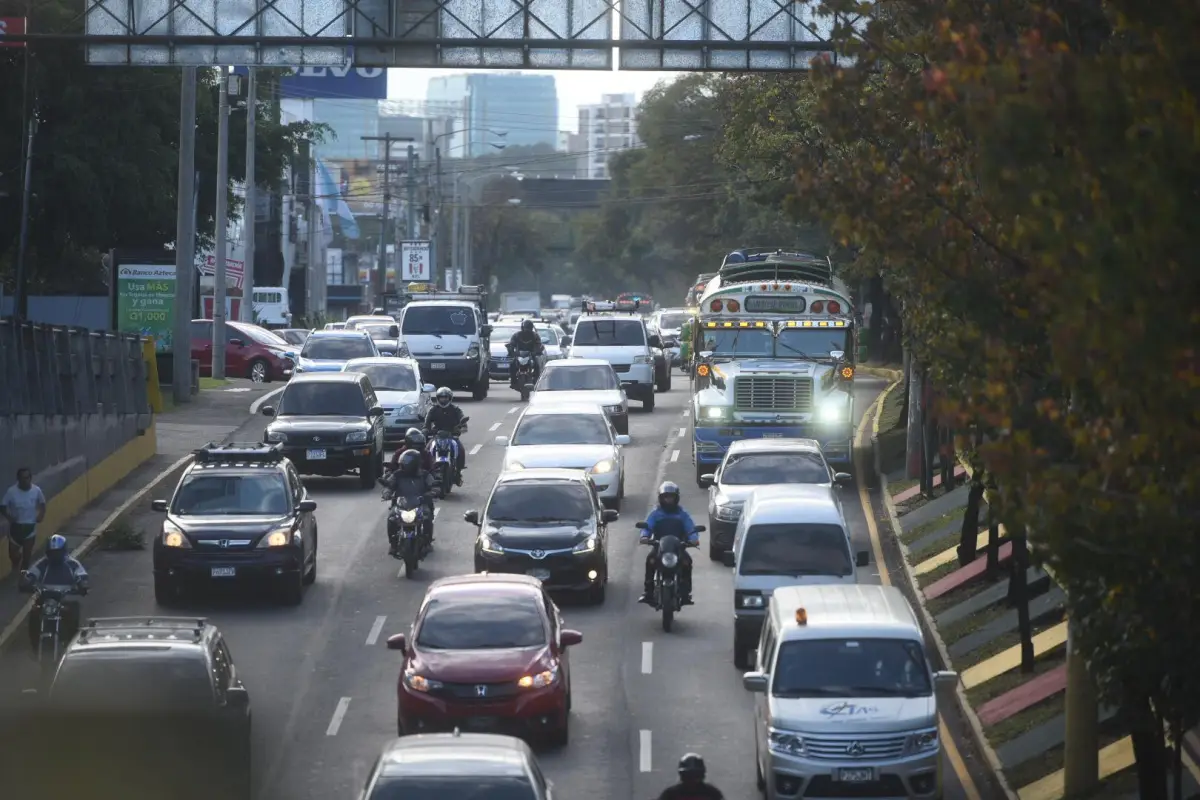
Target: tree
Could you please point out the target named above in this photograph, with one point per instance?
(1023, 175)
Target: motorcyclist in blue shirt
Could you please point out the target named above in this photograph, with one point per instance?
(60, 570)
(668, 506)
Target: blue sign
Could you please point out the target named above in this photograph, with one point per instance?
(339, 83)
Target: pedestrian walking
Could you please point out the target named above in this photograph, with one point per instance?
(24, 506)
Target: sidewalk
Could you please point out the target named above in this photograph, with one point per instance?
(212, 415)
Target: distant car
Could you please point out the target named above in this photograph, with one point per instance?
(570, 436)
(335, 326)
(250, 351)
(583, 380)
(293, 336)
(330, 424)
(751, 463)
(405, 400)
(361, 320)
(328, 351)
(385, 335)
(547, 523)
(668, 324)
(487, 653)
(450, 765)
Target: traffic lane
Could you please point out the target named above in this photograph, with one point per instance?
(669, 670)
(351, 706)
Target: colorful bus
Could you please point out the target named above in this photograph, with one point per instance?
(773, 346)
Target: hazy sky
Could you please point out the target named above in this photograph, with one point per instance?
(575, 87)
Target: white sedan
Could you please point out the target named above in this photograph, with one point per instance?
(583, 380)
(570, 436)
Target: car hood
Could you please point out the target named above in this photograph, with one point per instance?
(566, 456)
(738, 493)
(607, 397)
(479, 666)
(535, 537)
(823, 715)
(299, 424)
(390, 399)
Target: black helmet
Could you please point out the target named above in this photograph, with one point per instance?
(691, 768)
(527, 325)
(668, 498)
(414, 439)
(56, 549)
(410, 463)
(444, 396)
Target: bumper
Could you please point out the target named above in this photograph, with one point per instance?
(527, 712)
(256, 567)
(836, 441)
(338, 460)
(720, 532)
(459, 373)
(798, 776)
(568, 572)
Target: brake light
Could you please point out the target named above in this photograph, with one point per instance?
(733, 305)
(715, 305)
(834, 307)
(817, 307)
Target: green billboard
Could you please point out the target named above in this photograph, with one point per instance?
(146, 302)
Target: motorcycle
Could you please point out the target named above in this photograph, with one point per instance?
(523, 381)
(49, 601)
(408, 534)
(444, 448)
(667, 597)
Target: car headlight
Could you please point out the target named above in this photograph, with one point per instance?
(406, 411)
(603, 467)
(172, 536)
(728, 513)
(540, 680)
(785, 742)
(488, 545)
(357, 436)
(713, 412)
(643, 359)
(473, 351)
(419, 683)
(274, 437)
(588, 545)
(617, 409)
(670, 560)
(834, 411)
(408, 515)
(923, 741)
(751, 601)
(386, 353)
(279, 538)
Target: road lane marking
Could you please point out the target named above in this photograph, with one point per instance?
(339, 714)
(258, 404)
(514, 409)
(647, 657)
(644, 751)
(674, 456)
(376, 629)
(949, 746)
(495, 426)
(683, 431)
(475, 449)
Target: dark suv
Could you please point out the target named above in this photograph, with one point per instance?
(330, 424)
(161, 707)
(239, 514)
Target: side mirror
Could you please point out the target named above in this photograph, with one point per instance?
(428, 388)
(837, 355)
(397, 641)
(292, 355)
(945, 677)
(623, 439)
(394, 331)
(641, 526)
(728, 558)
(611, 515)
(755, 682)
(375, 411)
(238, 342)
(471, 517)
(862, 559)
(307, 506)
(571, 638)
(237, 697)
(708, 479)
(159, 506)
(701, 529)
(485, 331)
(564, 341)
(842, 477)
(268, 411)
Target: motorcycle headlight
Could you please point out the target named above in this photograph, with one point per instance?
(834, 411)
(670, 560)
(419, 683)
(540, 680)
(603, 467)
(588, 545)
(172, 536)
(409, 515)
(488, 545)
(357, 436)
(279, 538)
(275, 437)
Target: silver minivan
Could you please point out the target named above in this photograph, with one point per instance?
(788, 535)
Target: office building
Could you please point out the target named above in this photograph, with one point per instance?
(607, 127)
(525, 107)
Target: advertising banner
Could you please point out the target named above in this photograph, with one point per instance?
(146, 302)
(233, 307)
(414, 260)
(338, 83)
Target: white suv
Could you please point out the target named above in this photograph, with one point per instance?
(620, 339)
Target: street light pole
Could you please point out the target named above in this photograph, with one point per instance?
(222, 222)
(249, 215)
(381, 272)
(185, 242)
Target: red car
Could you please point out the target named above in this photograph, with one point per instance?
(250, 351)
(487, 653)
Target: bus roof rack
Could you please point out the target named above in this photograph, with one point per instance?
(241, 452)
(777, 265)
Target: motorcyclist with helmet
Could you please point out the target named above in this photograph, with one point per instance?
(444, 415)
(668, 507)
(525, 339)
(409, 479)
(691, 784)
(416, 441)
(59, 570)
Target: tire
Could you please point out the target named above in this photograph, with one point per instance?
(667, 379)
(759, 779)
(310, 577)
(368, 473)
(259, 371)
(741, 655)
(596, 593)
(660, 380)
(561, 735)
(410, 566)
(715, 553)
(447, 480)
(166, 594)
(667, 600)
(524, 395)
(292, 593)
(480, 390)
(701, 470)
(648, 401)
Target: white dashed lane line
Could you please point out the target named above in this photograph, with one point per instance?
(644, 763)
(376, 629)
(495, 426)
(647, 657)
(683, 432)
(339, 714)
(514, 409)
(475, 449)
(674, 456)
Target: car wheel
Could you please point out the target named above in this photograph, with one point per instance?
(667, 379)
(259, 371)
(741, 655)
(310, 577)
(596, 593)
(166, 593)
(648, 401)
(715, 552)
(700, 470)
(561, 735)
(480, 390)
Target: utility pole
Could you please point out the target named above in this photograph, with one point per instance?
(435, 236)
(185, 241)
(411, 180)
(381, 272)
(455, 237)
(20, 299)
(218, 327)
(249, 215)
(315, 307)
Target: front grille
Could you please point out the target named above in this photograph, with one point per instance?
(470, 691)
(318, 441)
(620, 367)
(837, 748)
(772, 393)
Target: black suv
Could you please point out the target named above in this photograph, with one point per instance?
(330, 424)
(160, 706)
(239, 513)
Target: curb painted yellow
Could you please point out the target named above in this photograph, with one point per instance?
(892, 375)
(1114, 758)
(1010, 659)
(153, 388)
(950, 554)
(64, 505)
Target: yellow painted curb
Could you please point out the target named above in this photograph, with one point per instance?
(1010, 659)
(1114, 758)
(949, 555)
(881, 372)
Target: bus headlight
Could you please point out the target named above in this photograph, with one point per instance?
(834, 411)
(714, 412)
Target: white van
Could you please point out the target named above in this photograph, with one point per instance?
(845, 700)
(271, 307)
(788, 534)
(613, 332)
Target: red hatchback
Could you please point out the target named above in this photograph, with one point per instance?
(487, 653)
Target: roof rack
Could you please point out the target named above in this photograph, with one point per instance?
(777, 265)
(214, 452)
(101, 625)
(625, 306)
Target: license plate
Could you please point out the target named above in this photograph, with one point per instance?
(224, 572)
(540, 574)
(316, 455)
(502, 363)
(482, 723)
(856, 775)
(437, 365)
(772, 436)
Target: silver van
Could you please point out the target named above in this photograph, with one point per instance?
(845, 700)
(788, 535)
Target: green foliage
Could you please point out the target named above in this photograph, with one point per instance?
(122, 535)
(1023, 175)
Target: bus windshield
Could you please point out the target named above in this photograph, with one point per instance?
(738, 342)
(811, 342)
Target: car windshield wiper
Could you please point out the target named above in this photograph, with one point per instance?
(813, 692)
(881, 691)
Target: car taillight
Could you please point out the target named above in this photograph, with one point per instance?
(817, 307)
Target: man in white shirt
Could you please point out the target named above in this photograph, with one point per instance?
(24, 506)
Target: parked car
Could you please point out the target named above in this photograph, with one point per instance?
(250, 351)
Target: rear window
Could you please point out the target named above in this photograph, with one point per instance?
(766, 469)
(438, 320)
(455, 623)
(337, 348)
(459, 787)
(112, 681)
(321, 399)
(796, 549)
(389, 377)
(577, 379)
(606, 331)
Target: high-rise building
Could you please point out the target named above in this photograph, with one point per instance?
(608, 127)
(523, 106)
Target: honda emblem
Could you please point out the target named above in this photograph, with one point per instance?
(481, 691)
(223, 543)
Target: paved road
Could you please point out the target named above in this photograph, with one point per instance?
(322, 682)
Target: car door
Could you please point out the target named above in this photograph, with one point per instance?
(237, 348)
(201, 334)
(372, 401)
(556, 627)
(307, 520)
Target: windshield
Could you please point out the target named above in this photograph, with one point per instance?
(562, 429)
(577, 379)
(377, 332)
(738, 342)
(102, 681)
(502, 335)
(322, 400)
(671, 322)
(797, 342)
(459, 787)
(851, 668)
(232, 494)
(797, 549)
(336, 348)
(540, 502)
(389, 377)
(766, 469)
(438, 320)
(295, 336)
(261, 335)
(606, 331)
(455, 623)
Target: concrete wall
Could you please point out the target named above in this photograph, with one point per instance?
(84, 311)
